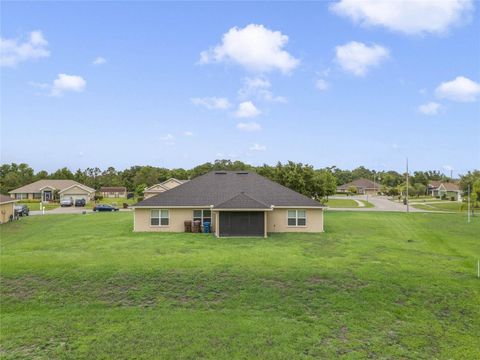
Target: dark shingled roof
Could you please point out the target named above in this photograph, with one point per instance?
(361, 183)
(242, 201)
(225, 187)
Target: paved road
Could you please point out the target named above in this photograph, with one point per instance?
(381, 203)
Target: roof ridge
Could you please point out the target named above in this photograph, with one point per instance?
(243, 193)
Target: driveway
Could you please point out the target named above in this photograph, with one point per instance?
(380, 203)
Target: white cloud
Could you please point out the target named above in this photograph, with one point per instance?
(64, 83)
(188, 133)
(259, 88)
(322, 84)
(431, 108)
(258, 147)
(212, 103)
(246, 109)
(409, 17)
(249, 126)
(460, 89)
(39, 85)
(167, 137)
(99, 61)
(12, 52)
(254, 47)
(357, 58)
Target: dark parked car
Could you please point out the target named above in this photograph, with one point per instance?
(80, 202)
(104, 207)
(21, 210)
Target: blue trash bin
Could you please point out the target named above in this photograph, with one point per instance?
(206, 227)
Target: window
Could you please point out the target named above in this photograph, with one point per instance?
(297, 218)
(202, 215)
(37, 195)
(159, 218)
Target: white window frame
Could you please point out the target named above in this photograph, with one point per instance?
(160, 217)
(202, 217)
(297, 217)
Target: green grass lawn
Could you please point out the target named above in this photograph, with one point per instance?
(118, 202)
(443, 206)
(341, 203)
(347, 203)
(374, 285)
(36, 206)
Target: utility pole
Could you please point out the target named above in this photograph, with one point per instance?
(468, 210)
(408, 207)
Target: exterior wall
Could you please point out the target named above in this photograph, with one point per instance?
(148, 194)
(76, 193)
(114, 194)
(6, 210)
(177, 217)
(277, 221)
(170, 184)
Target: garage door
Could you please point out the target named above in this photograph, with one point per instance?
(242, 223)
(74, 197)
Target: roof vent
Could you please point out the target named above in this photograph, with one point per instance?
(220, 172)
(242, 172)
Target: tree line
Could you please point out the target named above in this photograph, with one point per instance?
(303, 178)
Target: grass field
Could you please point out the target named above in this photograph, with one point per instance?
(374, 285)
(118, 202)
(341, 203)
(443, 206)
(347, 203)
(36, 206)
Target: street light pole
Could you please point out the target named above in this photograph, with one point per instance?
(408, 207)
(468, 210)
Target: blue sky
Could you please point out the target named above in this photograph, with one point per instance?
(179, 84)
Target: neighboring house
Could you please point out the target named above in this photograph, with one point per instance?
(447, 189)
(48, 190)
(113, 191)
(363, 186)
(432, 187)
(7, 208)
(164, 186)
(236, 203)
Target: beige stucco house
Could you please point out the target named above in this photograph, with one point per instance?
(164, 186)
(48, 190)
(113, 191)
(234, 203)
(362, 186)
(7, 208)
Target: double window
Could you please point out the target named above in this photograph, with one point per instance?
(202, 215)
(297, 218)
(159, 218)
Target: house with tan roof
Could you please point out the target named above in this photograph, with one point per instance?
(231, 203)
(445, 190)
(164, 186)
(7, 208)
(363, 187)
(49, 190)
